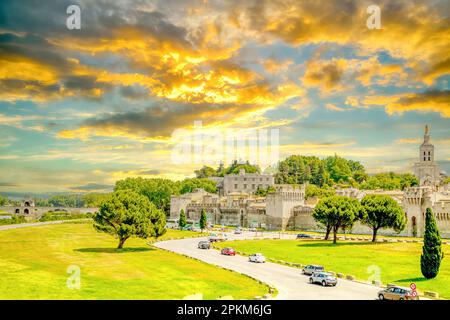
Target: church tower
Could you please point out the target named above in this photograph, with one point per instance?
(426, 148)
(426, 170)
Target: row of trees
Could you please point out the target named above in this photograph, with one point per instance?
(375, 211)
(233, 168)
(335, 170)
(182, 220)
(158, 191)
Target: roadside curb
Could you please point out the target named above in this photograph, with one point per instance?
(272, 291)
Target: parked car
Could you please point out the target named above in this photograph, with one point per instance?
(257, 257)
(324, 278)
(222, 237)
(303, 236)
(252, 230)
(397, 293)
(311, 268)
(188, 228)
(204, 245)
(237, 231)
(228, 251)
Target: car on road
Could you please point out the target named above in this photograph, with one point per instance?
(312, 268)
(188, 228)
(227, 251)
(303, 236)
(257, 257)
(237, 231)
(204, 245)
(324, 278)
(252, 230)
(217, 237)
(397, 293)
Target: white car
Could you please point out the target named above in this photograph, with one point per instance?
(257, 257)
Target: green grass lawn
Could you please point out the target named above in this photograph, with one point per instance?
(34, 262)
(398, 263)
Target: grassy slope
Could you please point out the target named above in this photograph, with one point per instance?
(34, 261)
(398, 262)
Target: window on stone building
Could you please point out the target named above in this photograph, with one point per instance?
(245, 186)
(429, 159)
(424, 158)
(429, 153)
(235, 186)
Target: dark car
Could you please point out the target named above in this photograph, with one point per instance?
(204, 245)
(312, 268)
(303, 236)
(228, 251)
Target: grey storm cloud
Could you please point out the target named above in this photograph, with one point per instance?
(161, 120)
(98, 18)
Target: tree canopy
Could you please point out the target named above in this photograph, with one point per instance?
(390, 181)
(381, 211)
(337, 212)
(126, 214)
(320, 172)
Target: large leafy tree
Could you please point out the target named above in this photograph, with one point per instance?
(315, 191)
(203, 220)
(337, 212)
(126, 214)
(158, 191)
(205, 172)
(182, 220)
(381, 211)
(432, 254)
(188, 185)
(390, 181)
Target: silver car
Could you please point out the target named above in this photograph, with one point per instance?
(312, 268)
(324, 278)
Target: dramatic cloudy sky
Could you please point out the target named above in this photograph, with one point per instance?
(80, 109)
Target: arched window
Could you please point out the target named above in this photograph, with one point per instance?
(26, 211)
(17, 210)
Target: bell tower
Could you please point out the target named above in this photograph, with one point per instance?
(426, 170)
(426, 148)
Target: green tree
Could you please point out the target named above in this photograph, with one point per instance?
(432, 254)
(202, 220)
(188, 185)
(157, 190)
(205, 172)
(316, 191)
(235, 167)
(381, 211)
(3, 200)
(337, 212)
(125, 214)
(182, 220)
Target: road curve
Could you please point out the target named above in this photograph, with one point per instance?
(289, 281)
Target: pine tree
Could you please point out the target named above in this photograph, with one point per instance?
(203, 220)
(182, 220)
(432, 255)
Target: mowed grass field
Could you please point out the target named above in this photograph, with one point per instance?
(34, 263)
(397, 263)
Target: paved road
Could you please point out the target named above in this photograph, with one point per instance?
(289, 281)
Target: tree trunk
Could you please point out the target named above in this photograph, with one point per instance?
(374, 236)
(327, 235)
(335, 230)
(121, 242)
